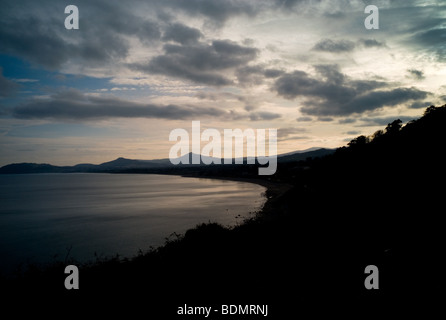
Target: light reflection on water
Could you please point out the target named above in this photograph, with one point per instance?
(41, 215)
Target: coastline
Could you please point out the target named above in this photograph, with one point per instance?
(273, 189)
(266, 195)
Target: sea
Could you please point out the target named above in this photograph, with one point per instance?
(90, 216)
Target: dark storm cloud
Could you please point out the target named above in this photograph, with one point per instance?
(329, 45)
(169, 66)
(38, 35)
(201, 63)
(331, 74)
(34, 30)
(7, 87)
(30, 39)
(378, 99)
(181, 33)
(331, 84)
(73, 105)
(335, 94)
(250, 75)
(272, 73)
(294, 84)
(417, 74)
(256, 74)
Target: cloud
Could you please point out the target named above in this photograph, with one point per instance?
(34, 30)
(24, 80)
(291, 133)
(335, 94)
(432, 41)
(263, 115)
(217, 12)
(288, 4)
(371, 43)
(383, 121)
(182, 34)
(250, 108)
(73, 105)
(420, 105)
(378, 99)
(250, 75)
(200, 62)
(28, 39)
(419, 26)
(285, 132)
(256, 74)
(325, 119)
(343, 46)
(338, 46)
(347, 121)
(416, 74)
(37, 34)
(304, 119)
(220, 96)
(7, 87)
(273, 73)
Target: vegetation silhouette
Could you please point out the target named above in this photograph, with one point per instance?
(377, 201)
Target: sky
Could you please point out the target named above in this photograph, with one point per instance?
(136, 70)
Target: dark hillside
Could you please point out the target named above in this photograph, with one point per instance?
(387, 192)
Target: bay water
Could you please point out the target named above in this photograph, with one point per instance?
(47, 217)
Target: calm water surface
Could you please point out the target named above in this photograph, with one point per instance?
(42, 215)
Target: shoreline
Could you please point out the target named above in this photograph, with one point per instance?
(272, 191)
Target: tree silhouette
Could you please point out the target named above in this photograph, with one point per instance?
(377, 135)
(394, 127)
(430, 110)
(359, 141)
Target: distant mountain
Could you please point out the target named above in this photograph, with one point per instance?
(115, 165)
(32, 168)
(123, 164)
(299, 156)
(299, 151)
